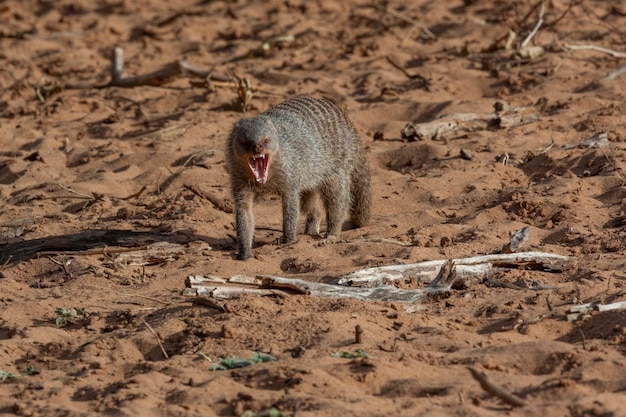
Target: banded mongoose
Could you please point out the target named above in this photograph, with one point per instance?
(307, 151)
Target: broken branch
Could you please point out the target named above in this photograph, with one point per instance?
(272, 285)
(505, 117)
(580, 310)
(466, 268)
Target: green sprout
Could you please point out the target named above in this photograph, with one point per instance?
(67, 316)
(360, 353)
(270, 412)
(7, 375)
(233, 362)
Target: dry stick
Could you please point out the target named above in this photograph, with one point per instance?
(167, 303)
(511, 32)
(389, 241)
(537, 26)
(495, 390)
(611, 52)
(550, 146)
(6, 262)
(85, 196)
(402, 17)
(614, 74)
(63, 265)
(155, 78)
(174, 175)
(158, 339)
(533, 320)
(66, 197)
(571, 5)
(212, 198)
(530, 12)
(399, 67)
(135, 195)
(100, 251)
(610, 161)
(168, 131)
(95, 196)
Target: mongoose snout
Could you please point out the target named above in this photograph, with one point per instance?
(307, 151)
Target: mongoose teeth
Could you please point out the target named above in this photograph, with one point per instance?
(259, 166)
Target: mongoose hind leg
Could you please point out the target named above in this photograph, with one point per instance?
(337, 199)
(244, 222)
(311, 206)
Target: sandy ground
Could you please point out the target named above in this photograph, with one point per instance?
(82, 161)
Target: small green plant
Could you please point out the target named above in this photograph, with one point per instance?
(270, 412)
(7, 375)
(232, 362)
(67, 316)
(360, 353)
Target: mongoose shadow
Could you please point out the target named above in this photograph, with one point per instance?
(307, 151)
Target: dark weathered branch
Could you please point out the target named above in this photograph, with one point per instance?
(495, 390)
(89, 242)
(159, 77)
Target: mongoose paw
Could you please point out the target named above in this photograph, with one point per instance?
(286, 244)
(289, 239)
(242, 256)
(329, 240)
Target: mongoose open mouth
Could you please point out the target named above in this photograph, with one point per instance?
(259, 165)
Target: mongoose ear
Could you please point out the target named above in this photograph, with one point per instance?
(237, 135)
(271, 124)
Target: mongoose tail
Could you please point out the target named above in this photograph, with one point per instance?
(361, 191)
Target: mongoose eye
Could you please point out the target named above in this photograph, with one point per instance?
(266, 140)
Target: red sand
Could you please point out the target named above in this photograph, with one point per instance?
(68, 164)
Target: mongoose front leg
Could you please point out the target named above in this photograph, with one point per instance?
(244, 221)
(291, 208)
